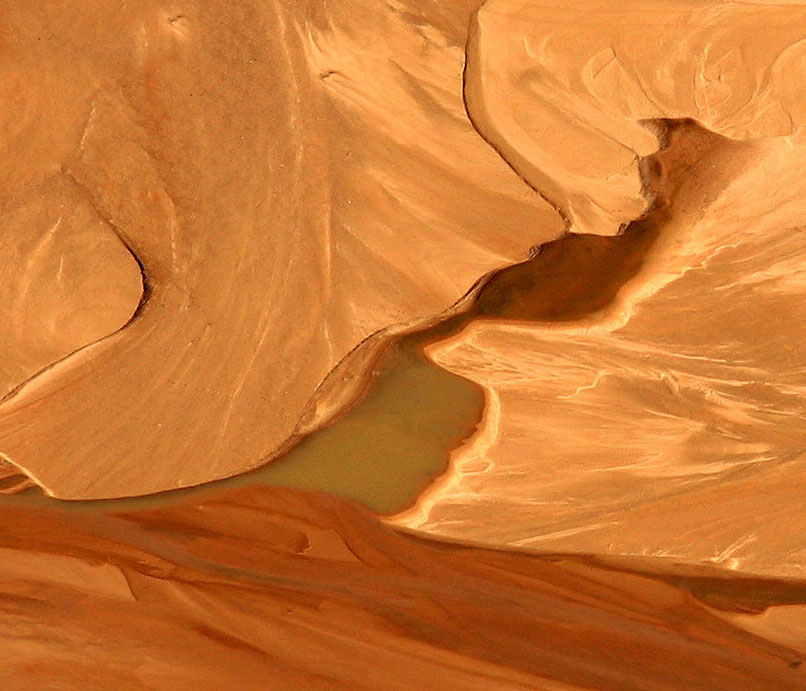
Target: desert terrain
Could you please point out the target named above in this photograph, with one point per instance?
(402, 345)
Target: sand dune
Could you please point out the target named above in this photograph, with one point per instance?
(280, 589)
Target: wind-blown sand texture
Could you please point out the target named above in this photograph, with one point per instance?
(219, 220)
(279, 589)
(287, 191)
(670, 422)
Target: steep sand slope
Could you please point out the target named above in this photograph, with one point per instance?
(285, 590)
(666, 419)
(288, 182)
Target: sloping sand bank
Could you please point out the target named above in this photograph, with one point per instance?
(281, 589)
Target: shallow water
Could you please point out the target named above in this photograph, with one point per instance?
(382, 452)
(389, 446)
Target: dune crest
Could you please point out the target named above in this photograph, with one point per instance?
(283, 589)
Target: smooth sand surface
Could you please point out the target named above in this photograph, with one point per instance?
(277, 589)
(289, 182)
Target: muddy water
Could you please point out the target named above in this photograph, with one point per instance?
(382, 452)
(387, 448)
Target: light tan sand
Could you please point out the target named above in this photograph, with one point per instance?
(290, 184)
(670, 423)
